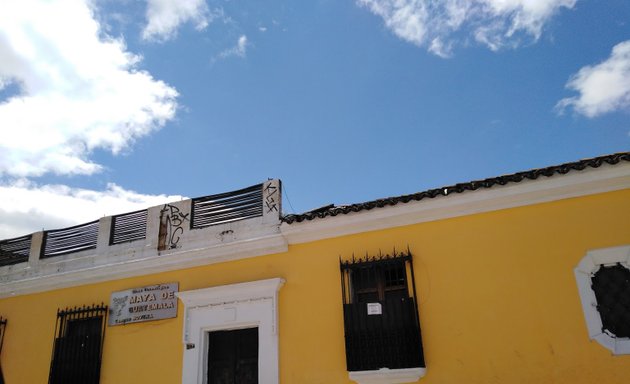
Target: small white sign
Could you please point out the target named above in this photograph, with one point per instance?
(374, 309)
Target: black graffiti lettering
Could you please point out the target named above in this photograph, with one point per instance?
(271, 205)
(174, 240)
(270, 201)
(172, 221)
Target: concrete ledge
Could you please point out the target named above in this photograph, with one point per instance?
(388, 376)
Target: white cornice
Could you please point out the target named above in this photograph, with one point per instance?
(574, 184)
(251, 290)
(142, 266)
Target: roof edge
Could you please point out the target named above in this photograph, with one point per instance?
(533, 174)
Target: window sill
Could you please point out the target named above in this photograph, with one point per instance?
(388, 376)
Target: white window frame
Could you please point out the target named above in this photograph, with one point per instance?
(584, 271)
(234, 306)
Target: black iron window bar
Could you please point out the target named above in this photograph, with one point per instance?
(78, 345)
(14, 251)
(227, 207)
(389, 339)
(3, 326)
(128, 227)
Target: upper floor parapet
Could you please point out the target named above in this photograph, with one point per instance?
(180, 234)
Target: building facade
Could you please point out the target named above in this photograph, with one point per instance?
(517, 278)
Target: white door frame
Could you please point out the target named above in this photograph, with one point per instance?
(234, 306)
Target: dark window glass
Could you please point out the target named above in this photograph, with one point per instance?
(612, 289)
(376, 282)
(233, 356)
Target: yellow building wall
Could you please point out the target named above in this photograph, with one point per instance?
(498, 302)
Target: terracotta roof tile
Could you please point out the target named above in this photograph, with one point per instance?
(533, 174)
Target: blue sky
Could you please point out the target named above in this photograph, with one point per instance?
(108, 106)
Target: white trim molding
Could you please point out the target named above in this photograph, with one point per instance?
(388, 376)
(606, 178)
(234, 306)
(584, 272)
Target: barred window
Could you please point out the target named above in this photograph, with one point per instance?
(78, 346)
(603, 282)
(611, 285)
(382, 329)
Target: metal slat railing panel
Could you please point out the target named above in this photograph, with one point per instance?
(129, 227)
(220, 218)
(14, 251)
(226, 195)
(227, 217)
(218, 209)
(69, 240)
(227, 207)
(208, 205)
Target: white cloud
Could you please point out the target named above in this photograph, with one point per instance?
(240, 49)
(165, 16)
(29, 208)
(78, 90)
(438, 24)
(602, 88)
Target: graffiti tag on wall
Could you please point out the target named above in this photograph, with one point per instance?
(171, 227)
(271, 197)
